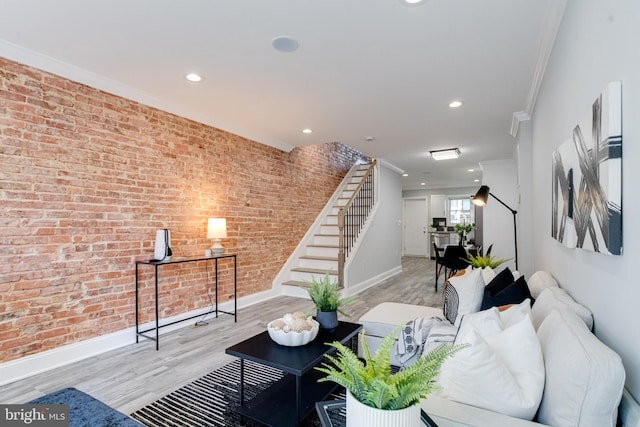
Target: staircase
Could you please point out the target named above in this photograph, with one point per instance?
(318, 252)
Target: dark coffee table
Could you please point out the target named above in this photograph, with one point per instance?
(289, 400)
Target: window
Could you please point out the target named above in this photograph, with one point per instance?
(460, 211)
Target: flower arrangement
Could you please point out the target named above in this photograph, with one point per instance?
(463, 230)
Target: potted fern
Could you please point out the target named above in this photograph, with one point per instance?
(328, 301)
(376, 397)
(483, 261)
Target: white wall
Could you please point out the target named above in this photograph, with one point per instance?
(597, 43)
(497, 220)
(524, 165)
(380, 250)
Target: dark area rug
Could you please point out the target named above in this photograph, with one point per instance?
(211, 400)
(85, 410)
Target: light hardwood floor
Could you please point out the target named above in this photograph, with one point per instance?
(136, 375)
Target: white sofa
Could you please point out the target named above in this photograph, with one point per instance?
(583, 378)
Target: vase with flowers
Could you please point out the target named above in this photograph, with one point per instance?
(463, 230)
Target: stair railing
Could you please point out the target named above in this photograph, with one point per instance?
(352, 217)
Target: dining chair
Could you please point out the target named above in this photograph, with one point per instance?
(439, 262)
(454, 260)
(489, 250)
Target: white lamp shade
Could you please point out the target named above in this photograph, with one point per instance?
(217, 228)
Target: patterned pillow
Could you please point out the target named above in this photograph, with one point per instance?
(463, 295)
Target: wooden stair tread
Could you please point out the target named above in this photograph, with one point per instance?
(301, 284)
(314, 271)
(320, 258)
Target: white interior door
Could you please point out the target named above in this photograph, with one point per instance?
(416, 236)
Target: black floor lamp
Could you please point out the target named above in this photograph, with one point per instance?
(480, 199)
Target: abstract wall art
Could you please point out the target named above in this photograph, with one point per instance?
(587, 179)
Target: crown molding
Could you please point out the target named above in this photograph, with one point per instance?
(46, 63)
(554, 14)
(391, 166)
(518, 117)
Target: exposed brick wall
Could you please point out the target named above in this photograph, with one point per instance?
(87, 177)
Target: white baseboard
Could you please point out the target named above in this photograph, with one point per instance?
(27, 366)
(359, 287)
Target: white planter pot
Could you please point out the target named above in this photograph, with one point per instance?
(361, 415)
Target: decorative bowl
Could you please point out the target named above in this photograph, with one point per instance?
(292, 338)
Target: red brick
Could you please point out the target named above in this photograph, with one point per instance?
(89, 177)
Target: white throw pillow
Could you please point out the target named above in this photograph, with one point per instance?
(463, 295)
(516, 313)
(488, 274)
(556, 298)
(485, 322)
(539, 281)
(500, 371)
(585, 378)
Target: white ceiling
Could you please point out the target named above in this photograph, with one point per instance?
(363, 68)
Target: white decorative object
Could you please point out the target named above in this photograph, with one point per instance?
(216, 230)
(162, 249)
(293, 330)
(361, 415)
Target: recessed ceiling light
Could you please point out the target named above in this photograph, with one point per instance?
(447, 154)
(412, 2)
(455, 104)
(470, 170)
(476, 180)
(423, 183)
(306, 131)
(193, 77)
(285, 44)
(405, 174)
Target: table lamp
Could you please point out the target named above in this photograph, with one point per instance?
(216, 230)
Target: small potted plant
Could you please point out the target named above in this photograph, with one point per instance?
(376, 397)
(328, 301)
(483, 261)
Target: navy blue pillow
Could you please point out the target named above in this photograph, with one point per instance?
(500, 281)
(514, 293)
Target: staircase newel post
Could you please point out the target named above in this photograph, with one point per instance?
(341, 243)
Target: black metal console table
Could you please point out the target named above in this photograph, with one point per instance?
(176, 260)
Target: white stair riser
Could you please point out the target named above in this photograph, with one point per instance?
(329, 229)
(326, 240)
(331, 220)
(319, 264)
(320, 251)
(299, 275)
